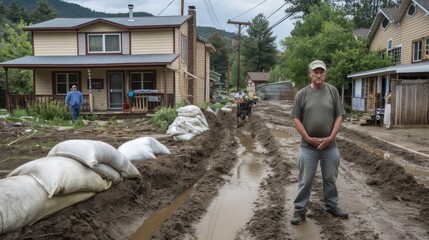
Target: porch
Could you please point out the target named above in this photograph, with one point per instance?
(140, 103)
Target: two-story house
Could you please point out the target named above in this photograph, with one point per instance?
(159, 59)
(403, 89)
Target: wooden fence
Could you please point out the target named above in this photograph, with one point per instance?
(410, 102)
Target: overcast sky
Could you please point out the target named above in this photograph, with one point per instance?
(218, 15)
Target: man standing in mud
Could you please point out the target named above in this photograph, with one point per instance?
(317, 115)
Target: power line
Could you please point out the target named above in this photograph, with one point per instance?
(250, 9)
(213, 12)
(276, 10)
(294, 11)
(165, 7)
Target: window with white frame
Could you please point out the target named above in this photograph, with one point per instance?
(104, 43)
(65, 81)
(395, 54)
(143, 80)
(385, 23)
(417, 51)
(389, 44)
(359, 88)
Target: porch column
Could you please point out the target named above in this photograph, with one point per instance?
(165, 87)
(7, 89)
(90, 91)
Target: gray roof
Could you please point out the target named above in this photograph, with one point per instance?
(404, 68)
(361, 32)
(395, 14)
(139, 22)
(92, 61)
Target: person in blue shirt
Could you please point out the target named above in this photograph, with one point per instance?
(74, 99)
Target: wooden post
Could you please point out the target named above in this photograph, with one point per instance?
(90, 91)
(238, 48)
(7, 90)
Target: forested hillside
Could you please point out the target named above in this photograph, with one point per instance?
(72, 10)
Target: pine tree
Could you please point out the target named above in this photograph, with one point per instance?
(43, 12)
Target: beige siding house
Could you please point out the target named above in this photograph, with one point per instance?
(157, 59)
(402, 33)
(253, 80)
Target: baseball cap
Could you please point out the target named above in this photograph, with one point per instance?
(317, 64)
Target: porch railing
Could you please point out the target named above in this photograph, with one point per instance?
(140, 103)
(143, 102)
(23, 100)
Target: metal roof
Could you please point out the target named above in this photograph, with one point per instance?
(404, 68)
(90, 61)
(138, 22)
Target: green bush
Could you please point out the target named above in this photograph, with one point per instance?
(48, 110)
(163, 117)
(20, 112)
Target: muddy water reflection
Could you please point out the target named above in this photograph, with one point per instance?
(230, 211)
(152, 223)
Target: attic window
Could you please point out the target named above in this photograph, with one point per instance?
(411, 10)
(385, 22)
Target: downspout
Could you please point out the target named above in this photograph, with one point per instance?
(165, 87)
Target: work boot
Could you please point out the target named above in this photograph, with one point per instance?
(297, 218)
(337, 212)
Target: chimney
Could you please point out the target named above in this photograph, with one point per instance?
(192, 39)
(130, 15)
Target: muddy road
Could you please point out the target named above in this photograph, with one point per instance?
(236, 183)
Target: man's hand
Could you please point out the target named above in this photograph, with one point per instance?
(324, 143)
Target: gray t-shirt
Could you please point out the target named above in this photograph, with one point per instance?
(317, 109)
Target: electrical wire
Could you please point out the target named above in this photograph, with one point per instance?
(276, 10)
(249, 10)
(214, 13)
(295, 10)
(165, 7)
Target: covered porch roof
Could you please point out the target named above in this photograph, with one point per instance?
(92, 61)
(403, 68)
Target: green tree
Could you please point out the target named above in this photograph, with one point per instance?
(363, 12)
(326, 34)
(16, 13)
(15, 44)
(301, 6)
(43, 12)
(259, 48)
(219, 59)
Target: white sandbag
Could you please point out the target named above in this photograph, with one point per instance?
(183, 137)
(143, 148)
(188, 111)
(107, 172)
(62, 175)
(91, 152)
(24, 201)
(21, 198)
(57, 203)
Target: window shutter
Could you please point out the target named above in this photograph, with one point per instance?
(125, 43)
(81, 44)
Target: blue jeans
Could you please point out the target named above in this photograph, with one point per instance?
(75, 112)
(308, 161)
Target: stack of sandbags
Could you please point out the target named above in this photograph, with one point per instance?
(189, 123)
(101, 157)
(73, 171)
(142, 148)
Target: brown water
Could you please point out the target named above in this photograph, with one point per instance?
(230, 211)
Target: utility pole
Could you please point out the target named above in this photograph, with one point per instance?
(238, 47)
(182, 6)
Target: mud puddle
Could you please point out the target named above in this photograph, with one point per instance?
(154, 222)
(229, 212)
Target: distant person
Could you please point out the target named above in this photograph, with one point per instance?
(74, 99)
(317, 115)
(239, 95)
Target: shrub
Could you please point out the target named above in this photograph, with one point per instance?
(163, 117)
(48, 110)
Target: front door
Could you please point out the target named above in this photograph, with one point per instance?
(116, 90)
